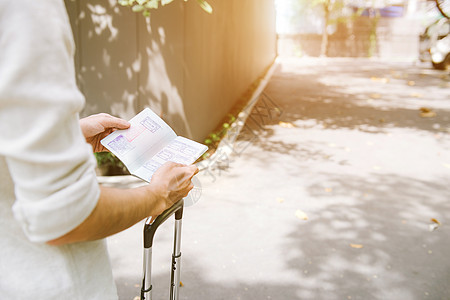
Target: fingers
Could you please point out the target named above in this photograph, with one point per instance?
(176, 177)
(172, 182)
(190, 187)
(190, 170)
(101, 124)
(194, 168)
(109, 121)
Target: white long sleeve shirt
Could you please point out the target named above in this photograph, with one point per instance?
(47, 179)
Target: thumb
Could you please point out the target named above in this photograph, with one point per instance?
(193, 169)
(113, 122)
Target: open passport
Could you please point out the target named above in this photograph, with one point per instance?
(148, 143)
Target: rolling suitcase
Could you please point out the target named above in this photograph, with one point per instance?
(149, 232)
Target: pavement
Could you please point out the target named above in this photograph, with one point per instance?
(337, 188)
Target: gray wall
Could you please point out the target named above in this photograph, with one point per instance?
(190, 67)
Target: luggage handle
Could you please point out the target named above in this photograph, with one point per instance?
(150, 228)
(149, 233)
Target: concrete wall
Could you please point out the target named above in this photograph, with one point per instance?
(188, 66)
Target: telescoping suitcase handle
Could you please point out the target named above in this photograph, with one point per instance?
(149, 233)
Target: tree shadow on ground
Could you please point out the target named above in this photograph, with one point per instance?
(199, 288)
(372, 238)
(377, 245)
(374, 245)
(363, 95)
(367, 236)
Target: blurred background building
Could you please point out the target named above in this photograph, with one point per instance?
(355, 28)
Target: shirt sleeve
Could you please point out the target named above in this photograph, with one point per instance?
(51, 165)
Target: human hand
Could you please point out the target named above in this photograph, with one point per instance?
(171, 182)
(98, 126)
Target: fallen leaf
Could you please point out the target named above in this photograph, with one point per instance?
(356, 246)
(181, 284)
(434, 225)
(280, 200)
(375, 96)
(416, 95)
(435, 221)
(411, 83)
(427, 112)
(377, 79)
(301, 215)
(286, 124)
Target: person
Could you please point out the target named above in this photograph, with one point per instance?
(54, 216)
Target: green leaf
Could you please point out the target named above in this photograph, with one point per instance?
(123, 2)
(208, 141)
(146, 13)
(152, 4)
(137, 8)
(205, 5)
(164, 2)
(226, 125)
(141, 2)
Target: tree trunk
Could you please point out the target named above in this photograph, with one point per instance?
(324, 44)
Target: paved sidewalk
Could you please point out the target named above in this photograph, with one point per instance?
(341, 142)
